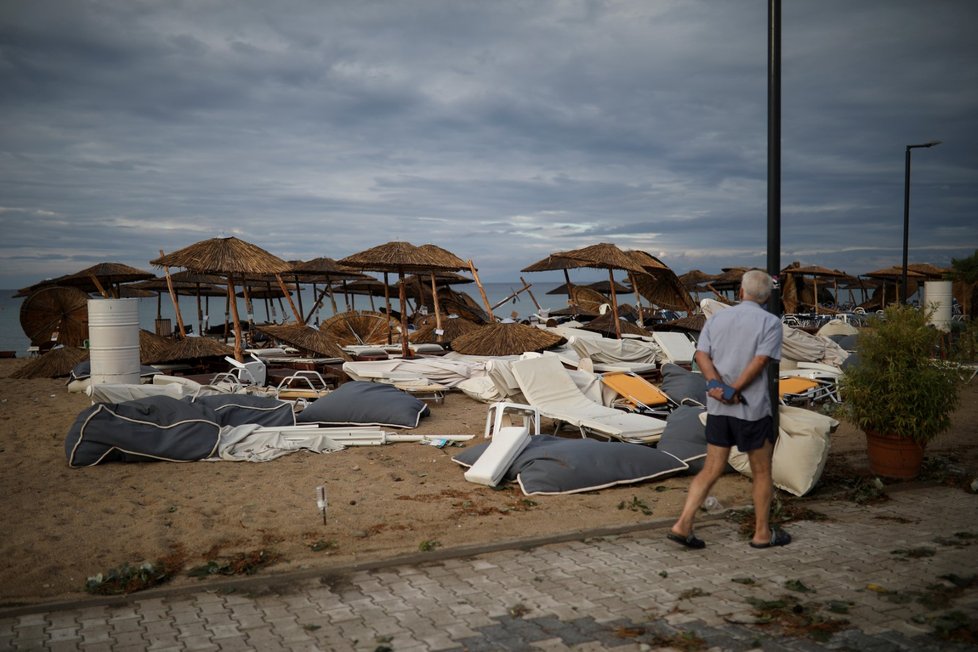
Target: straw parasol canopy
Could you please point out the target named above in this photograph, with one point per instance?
(499, 339)
(452, 328)
(191, 348)
(306, 339)
(932, 272)
(404, 258)
(55, 314)
(359, 327)
(606, 256)
(151, 345)
(53, 364)
(690, 323)
(599, 286)
(794, 288)
(231, 258)
(694, 279)
(604, 325)
(105, 278)
(659, 284)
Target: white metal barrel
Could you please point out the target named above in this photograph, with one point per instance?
(113, 340)
(937, 297)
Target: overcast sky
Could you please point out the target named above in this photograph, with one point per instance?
(502, 131)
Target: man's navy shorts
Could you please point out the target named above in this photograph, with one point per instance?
(730, 431)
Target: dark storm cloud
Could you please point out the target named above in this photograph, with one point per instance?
(501, 131)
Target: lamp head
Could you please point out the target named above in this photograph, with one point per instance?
(927, 144)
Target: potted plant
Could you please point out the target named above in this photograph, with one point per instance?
(897, 393)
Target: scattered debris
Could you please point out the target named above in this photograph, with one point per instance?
(636, 505)
(519, 610)
(743, 580)
(694, 592)
(321, 545)
(914, 553)
(129, 579)
(428, 546)
(245, 563)
(799, 586)
(796, 618)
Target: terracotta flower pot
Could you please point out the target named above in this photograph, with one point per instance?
(893, 456)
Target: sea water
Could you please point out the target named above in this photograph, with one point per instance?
(12, 337)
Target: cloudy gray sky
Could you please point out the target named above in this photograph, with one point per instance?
(500, 130)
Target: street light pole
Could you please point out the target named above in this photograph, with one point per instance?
(906, 215)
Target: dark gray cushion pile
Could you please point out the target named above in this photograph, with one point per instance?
(685, 437)
(847, 342)
(365, 404)
(555, 465)
(156, 428)
(681, 384)
(243, 409)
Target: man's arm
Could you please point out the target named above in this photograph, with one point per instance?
(705, 363)
(750, 372)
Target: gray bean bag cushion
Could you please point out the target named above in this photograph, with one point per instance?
(555, 465)
(685, 437)
(681, 384)
(365, 404)
(83, 370)
(244, 409)
(145, 430)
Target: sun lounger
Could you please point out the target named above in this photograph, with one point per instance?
(676, 347)
(547, 386)
(638, 394)
(508, 441)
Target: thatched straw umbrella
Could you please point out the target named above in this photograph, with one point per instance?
(555, 262)
(606, 256)
(231, 258)
(191, 348)
(452, 328)
(794, 285)
(307, 339)
(97, 277)
(690, 324)
(404, 258)
(895, 274)
(55, 314)
(56, 363)
(368, 286)
(695, 279)
(659, 284)
(359, 327)
(151, 345)
(598, 286)
(604, 325)
(499, 339)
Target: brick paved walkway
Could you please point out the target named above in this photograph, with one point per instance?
(888, 570)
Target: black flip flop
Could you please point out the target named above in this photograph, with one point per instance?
(690, 541)
(778, 538)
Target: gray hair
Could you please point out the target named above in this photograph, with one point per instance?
(757, 285)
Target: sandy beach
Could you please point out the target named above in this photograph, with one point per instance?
(62, 525)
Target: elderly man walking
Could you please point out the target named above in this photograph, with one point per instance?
(733, 353)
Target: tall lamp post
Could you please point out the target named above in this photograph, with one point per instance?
(906, 214)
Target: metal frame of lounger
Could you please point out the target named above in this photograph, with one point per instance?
(805, 390)
(633, 401)
(568, 405)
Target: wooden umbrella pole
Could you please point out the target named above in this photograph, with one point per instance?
(298, 294)
(332, 297)
(527, 287)
(227, 310)
(285, 291)
(434, 298)
(387, 303)
(815, 290)
(173, 297)
(238, 355)
(482, 290)
(319, 302)
(638, 299)
(570, 293)
(249, 308)
(614, 304)
(98, 285)
(200, 314)
(405, 351)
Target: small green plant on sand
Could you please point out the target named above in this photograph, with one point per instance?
(636, 505)
(428, 546)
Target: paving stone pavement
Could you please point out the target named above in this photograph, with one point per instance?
(885, 571)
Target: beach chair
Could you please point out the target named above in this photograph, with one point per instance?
(636, 394)
(547, 386)
(508, 441)
(796, 389)
(676, 348)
